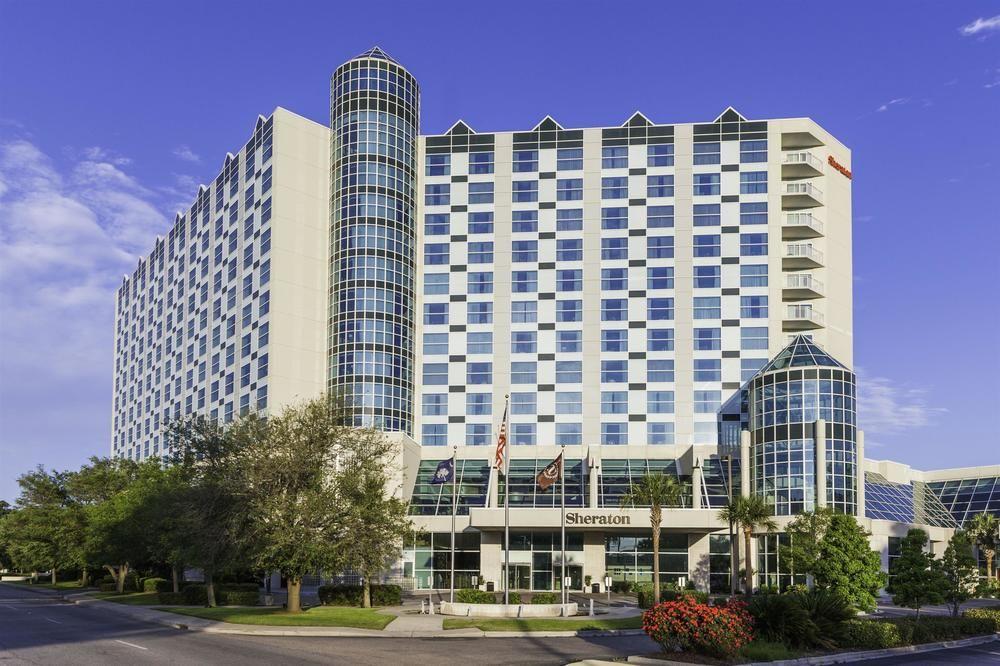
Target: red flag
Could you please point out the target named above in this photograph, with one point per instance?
(550, 474)
(502, 442)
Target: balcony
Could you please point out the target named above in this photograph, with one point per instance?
(801, 164)
(801, 195)
(801, 255)
(796, 140)
(801, 225)
(799, 286)
(801, 318)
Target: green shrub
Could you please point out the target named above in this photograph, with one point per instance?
(237, 594)
(194, 594)
(107, 587)
(988, 612)
(164, 585)
(132, 583)
(353, 595)
(828, 610)
(759, 650)
(171, 598)
(513, 598)
(621, 586)
(545, 598)
(871, 635)
(975, 625)
(720, 631)
(104, 579)
(471, 595)
(153, 584)
(779, 618)
(668, 592)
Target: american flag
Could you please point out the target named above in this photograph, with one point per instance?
(502, 442)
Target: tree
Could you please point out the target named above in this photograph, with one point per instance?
(805, 541)
(847, 564)
(960, 570)
(983, 528)
(656, 490)
(751, 514)
(917, 580)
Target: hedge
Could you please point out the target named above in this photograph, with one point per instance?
(194, 594)
(107, 587)
(472, 595)
(170, 598)
(668, 592)
(989, 612)
(153, 584)
(164, 585)
(545, 598)
(352, 595)
(896, 632)
(237, 594)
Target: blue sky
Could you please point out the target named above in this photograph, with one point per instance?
(111, 113)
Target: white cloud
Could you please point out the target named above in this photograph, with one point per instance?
(892, 102)
(981, 25)
(98, 154)
(185, 153)
(887, 408)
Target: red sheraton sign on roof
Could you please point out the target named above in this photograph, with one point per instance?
(839, 167)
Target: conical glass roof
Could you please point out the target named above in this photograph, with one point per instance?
(801, 352)
(376, 52)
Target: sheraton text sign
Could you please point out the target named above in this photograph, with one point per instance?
(574, 518)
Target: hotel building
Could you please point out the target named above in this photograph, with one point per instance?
(653, 297)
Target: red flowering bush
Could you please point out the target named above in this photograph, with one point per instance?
(686, 624)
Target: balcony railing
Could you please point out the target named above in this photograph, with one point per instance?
(804, 281)
(798, 317)
(804, 253)
(801, 225)
(801, 164)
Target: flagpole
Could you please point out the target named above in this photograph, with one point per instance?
(506, 503)
(454, 508)
(562, 486)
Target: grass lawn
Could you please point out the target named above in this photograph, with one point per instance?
(544, 624)
(320, 616)
(62, 586)
(129, 598)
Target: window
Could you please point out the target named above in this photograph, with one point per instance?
(707, 307)
(660, 277)
(659, 339)
(707, 370)
(753, 245)
(479, 373)
(569, 159)
(660, 370)
(524, 251)
(569, 402)
(614, 372)
(707, 277)
(435, 374)
(434, 434)
(569, 280)
(524, 281)
(522, 434)
(614, 402)
(569, 219)
(569, 342)
(570, 249)
(435, 344)
(707, 153)
(707, 245)
(660, 402)
(707, 215)
(614, 157)
(523, 342)
(480, 313)
(481, 193)
(523, 312)
(480, 342)
(481, 253)
(614, 279)
(480, 223)
(658, 217)
(569, 189)
(524, 221)
(753, 212)
(614, 309)
(435, 404)
(659, 309)
(707, 402)
(753, 151)
(753, 275)
(437, 224)
(660, 155)
(753, 307)
(659, 434)
(707, 339)
(569, 310)
(438, 165)
(614, 188)
(569, 434)
(705, 184)
(753, 337)
(614, 248)
(614, 434)
(614, 218)
(749, 367)
(437, 194)
(569, 372)
(525, 160)
(753, 182)
(659, 186)
(477, 434)
(523, 403)
(480, 283)
(706, 432)
(614, 340)
(523, 372)
(524, 191)
(478, 404)
(435, 314)
(480, 163)
(435, 254)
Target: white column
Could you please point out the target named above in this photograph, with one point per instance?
(592, 483)
(819, 437)
(696, 481)
(745, 463)
(861, 473)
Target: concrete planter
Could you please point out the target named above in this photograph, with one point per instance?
(510, 610)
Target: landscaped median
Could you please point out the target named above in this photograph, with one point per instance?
(544, 624)
(320, 616)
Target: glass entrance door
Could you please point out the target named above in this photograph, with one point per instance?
(519, 577)
(575, 573)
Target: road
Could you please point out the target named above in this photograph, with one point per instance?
(988, 653)
(36, 628)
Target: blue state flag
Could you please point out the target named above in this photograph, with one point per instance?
(445, 471)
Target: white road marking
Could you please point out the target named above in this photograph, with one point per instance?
(130, 644)
(53, 621)
(10, 607)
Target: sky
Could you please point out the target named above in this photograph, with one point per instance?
(112, 113)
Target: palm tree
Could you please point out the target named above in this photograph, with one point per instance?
(983, 528)
(751, 514)
(656, 490)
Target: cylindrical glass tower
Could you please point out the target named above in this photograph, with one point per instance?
(794, 463)
(374, 118)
